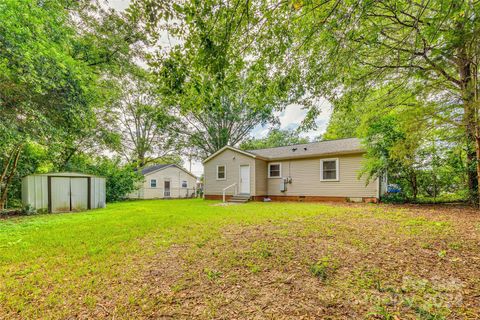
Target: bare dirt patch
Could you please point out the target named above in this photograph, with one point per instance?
(377, 263)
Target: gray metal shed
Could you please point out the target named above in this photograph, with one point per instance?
(63, 192)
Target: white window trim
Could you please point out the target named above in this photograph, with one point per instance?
(186, 184)
(156, 184)
(337, 167)
(268, 169)
(225, 171)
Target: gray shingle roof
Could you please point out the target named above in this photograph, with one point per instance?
(340, 146)
(147, 170)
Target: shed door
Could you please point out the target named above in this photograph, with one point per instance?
(79, 193)
(60, 190)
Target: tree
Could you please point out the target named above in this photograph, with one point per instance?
(41, 87)
(217, 85)
(429, 49)
(275, 138)
(53, 78)
(390, 149)
(146, 126)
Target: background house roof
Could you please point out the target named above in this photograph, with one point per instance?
(156, 167)
(350, 145)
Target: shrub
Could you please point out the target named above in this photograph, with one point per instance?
(121, 179)
(29, 210)
(393, 198)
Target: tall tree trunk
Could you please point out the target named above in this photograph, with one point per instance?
(414, 186)
(467, 74)
(12, 167)
(472, 156)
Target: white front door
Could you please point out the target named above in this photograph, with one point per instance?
(245, 179)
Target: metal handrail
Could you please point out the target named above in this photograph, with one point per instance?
(225, 189)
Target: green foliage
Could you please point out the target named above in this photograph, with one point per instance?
(120, 179)
(148, 129)
(324, 268)
(275, 138)
(393, 198)
(57, 64)
(372, 58)
(218, 85)
(212, 274)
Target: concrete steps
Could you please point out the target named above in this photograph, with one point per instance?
(239, 198)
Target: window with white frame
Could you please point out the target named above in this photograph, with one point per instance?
(221, 172)
(153, 183)
(329, 170)
(184, 184)
(274, 170)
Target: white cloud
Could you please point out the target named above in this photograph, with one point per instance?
(119, 5)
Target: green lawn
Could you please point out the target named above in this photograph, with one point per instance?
(195, 258)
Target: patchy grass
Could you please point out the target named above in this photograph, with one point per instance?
(192, 258)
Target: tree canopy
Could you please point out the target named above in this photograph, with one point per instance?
(275, 138)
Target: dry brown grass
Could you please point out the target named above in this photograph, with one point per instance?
(420, 263)
(277, 261)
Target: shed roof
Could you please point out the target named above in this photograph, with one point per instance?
(65, 174)
(329, 147)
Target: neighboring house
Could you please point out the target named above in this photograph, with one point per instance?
(165, 181)
(327, 170)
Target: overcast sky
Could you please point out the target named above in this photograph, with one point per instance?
(289, 119)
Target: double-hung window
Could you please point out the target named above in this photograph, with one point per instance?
(274, 170)
(221, 172)
(153, 183)
(329, 170)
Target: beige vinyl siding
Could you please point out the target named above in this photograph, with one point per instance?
(175, 175)
(232, 160)
(261, 177)
(305, 174)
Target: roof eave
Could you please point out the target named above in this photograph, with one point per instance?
(317, 155)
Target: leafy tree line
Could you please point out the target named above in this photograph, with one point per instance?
(59, 61)
(82, 86)
(73, 96)
(401, 74)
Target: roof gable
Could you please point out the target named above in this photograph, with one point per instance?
(247, 153)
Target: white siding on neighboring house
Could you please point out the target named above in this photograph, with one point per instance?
(172, 174)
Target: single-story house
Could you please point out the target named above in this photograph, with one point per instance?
(326, 170)
(165, 181)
